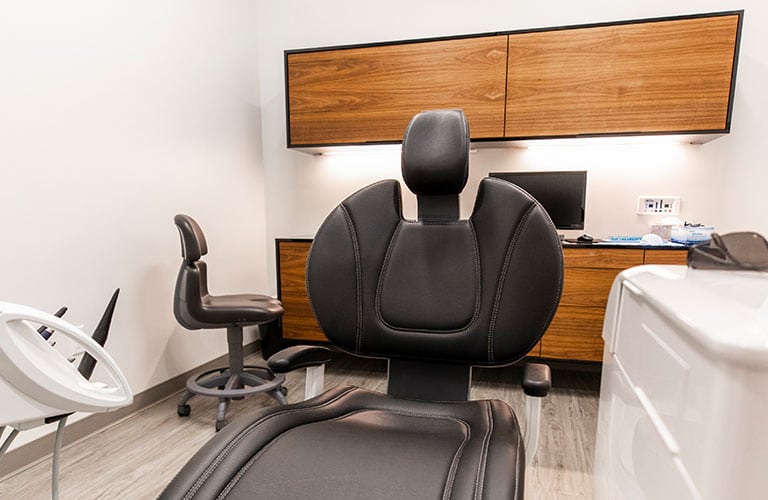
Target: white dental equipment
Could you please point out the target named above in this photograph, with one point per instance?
(40, 385)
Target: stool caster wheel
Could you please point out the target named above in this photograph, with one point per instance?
(283, 391)
(220, 424)
(183, 410)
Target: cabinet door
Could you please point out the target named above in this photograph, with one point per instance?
(660, 76)
(369, 94)
(298, 320)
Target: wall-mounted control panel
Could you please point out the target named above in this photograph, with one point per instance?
(658, 205)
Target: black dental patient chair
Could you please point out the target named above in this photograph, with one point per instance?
(435, 297)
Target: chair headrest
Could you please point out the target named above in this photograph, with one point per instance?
(193, 245)
(435, 157)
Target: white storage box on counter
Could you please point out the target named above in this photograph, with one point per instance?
(684, 396)
(690, 235)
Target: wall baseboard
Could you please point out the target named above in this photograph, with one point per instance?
(31, 452)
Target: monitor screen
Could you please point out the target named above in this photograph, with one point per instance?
(562, 194)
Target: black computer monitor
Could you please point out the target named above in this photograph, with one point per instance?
(562, 194)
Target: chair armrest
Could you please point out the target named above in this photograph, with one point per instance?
(298, 356)
(537, 380)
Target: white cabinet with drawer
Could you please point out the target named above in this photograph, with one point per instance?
(684, 395)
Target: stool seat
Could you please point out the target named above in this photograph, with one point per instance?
(243, 309)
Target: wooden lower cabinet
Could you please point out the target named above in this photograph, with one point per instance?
(576, 330)
(298, 320)
(575, 333)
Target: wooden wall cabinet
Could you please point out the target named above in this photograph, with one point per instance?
(369, 94)
(667, 76)
(575, 331)
(659, 76)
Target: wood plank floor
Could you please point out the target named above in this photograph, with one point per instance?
(136, 457)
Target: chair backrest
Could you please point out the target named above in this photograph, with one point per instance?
(480, 291)
(192, 281)
(193, 244)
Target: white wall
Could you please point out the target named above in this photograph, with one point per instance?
(114, 116)
(720, 183)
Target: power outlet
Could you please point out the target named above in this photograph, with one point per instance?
(658, 205)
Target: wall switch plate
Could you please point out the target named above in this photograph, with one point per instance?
(658, 205)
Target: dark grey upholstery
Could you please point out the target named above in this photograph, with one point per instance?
(479, 291)
(435, 296)
(195, 308)
(352, 443)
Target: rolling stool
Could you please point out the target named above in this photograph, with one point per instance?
(196, 309)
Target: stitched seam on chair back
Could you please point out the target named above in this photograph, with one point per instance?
(502, 277)
(383, 271)
(478, 273)
(358, 280)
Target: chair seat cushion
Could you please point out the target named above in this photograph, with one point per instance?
(353, 443)
(238, 309)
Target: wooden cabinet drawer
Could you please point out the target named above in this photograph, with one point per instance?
(675, 257)
(575, 333)
(587, 287)
(602, 257)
